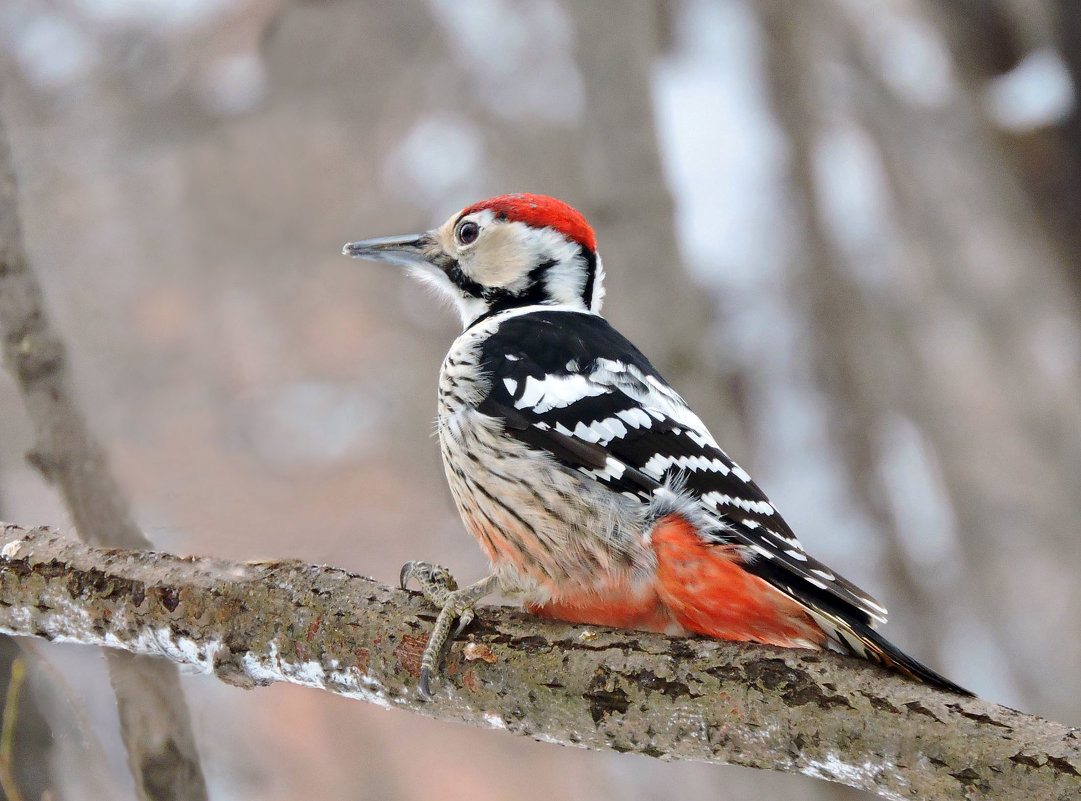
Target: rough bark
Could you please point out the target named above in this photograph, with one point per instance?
(154, 719)
(819, 714)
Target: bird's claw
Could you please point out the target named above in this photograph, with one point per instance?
(465, 617)
(458, 604)
(435, 581)
(423, 688)
(439, 587)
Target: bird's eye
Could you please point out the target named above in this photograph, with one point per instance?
(468, 232)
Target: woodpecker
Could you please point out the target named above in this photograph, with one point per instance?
(597, 494)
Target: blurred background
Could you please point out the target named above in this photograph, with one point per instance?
(848, 232)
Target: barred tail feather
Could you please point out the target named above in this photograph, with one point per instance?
(861, 640)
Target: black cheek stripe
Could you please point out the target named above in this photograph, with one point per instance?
(460, 279)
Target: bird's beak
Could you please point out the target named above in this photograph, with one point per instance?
(410, 250)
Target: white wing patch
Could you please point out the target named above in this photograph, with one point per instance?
(742, 475)
(549, 392)
(613, 470)
(635, 418)
(609, 429)
(719, 499)
(659, 399)
(658, 463)
(598, 431)
(586, 433)
(702, 439)
(762, 551)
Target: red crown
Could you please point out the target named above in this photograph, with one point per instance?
(541, 211)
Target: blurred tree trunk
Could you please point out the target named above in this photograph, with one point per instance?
(33, 739)
(987, 39)
(944, 342)
(654, 299)
(849, 341)
(32, 750)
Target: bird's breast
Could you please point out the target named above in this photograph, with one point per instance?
(544, 526)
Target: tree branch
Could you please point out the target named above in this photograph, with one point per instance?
(820, 714)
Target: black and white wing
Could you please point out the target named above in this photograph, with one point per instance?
(570, 384)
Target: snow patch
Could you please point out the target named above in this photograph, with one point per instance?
(834, 768)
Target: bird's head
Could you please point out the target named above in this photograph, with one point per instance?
(505, 252)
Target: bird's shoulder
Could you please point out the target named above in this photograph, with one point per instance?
(555, 340)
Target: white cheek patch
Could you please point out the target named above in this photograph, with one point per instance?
(498, 259)
(565, 281)
(507, 251)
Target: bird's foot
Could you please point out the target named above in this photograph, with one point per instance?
(439, 587)
(435, 581)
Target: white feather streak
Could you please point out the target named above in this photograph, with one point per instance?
(556, 392)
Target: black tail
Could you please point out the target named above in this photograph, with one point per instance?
(864, 641)
(848, 624)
